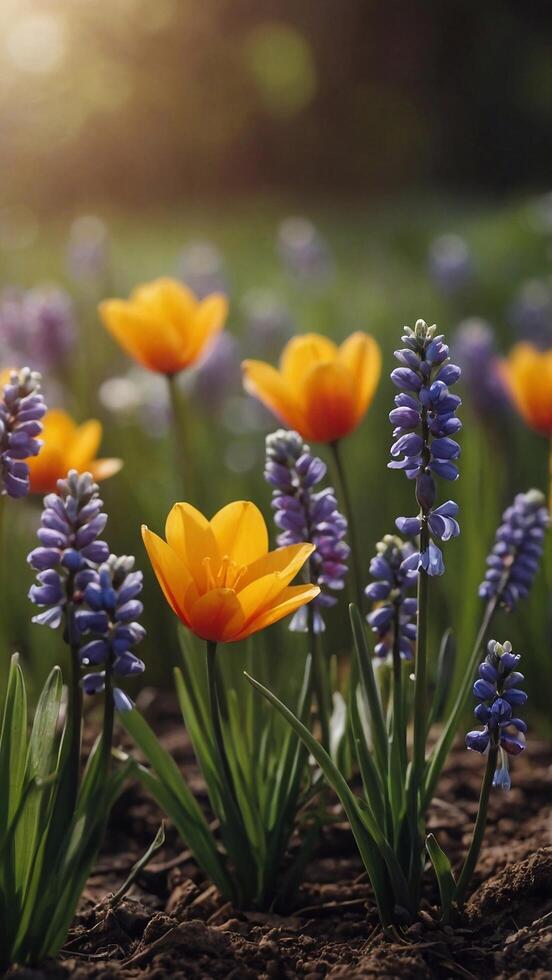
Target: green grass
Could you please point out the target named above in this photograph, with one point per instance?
(380, 283)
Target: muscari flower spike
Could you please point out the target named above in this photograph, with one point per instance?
(69, 549)
(21, 409)
(514, 560)
(108, 616)
(498, 691)
(304, 514)
(424, 420)
(389, 593)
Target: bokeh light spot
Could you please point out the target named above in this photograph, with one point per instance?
(282, 63)
(36, 43)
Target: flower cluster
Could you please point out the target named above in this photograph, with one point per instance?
(69, 549)
(79, 582)
(303, 514)
(109, 615)
(498, 692)
(21, 410)
(474, 349)
(37, 325)
(515, 557)
(424, 420)
(394, 607)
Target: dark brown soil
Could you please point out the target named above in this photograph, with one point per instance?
(174, 924)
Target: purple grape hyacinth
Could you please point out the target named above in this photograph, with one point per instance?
(514, 560)
(474, 349)
(393, 606)
(303, 514)
(108, 615)
(38, 325)
(498, 691)
(69, 549)
(424, 421)
(22, 408)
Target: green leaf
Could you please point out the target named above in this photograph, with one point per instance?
(155, 846)
(369, 688)
(443, 872)
(366, 842)
(369, 774)
(445, 673)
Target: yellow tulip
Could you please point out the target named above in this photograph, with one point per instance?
(163, 326)
(68, 446)
(528, 374)
(321, 390)
(219, 577)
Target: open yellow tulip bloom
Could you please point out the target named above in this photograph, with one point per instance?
(528, 375)
(163, 326)
(219, 577)
(68, 446)
(321, 390)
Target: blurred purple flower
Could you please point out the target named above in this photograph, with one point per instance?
(218, 375)
(531, 312)
(473, 347)
(303, 251)
(87, 255)
(450, 263)
(37, 326)
(201, 267)
(268, 323)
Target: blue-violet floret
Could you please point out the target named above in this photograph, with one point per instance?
(515, 557)
(21, 410)
(389, 592)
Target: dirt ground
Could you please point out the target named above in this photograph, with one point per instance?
(174, 924)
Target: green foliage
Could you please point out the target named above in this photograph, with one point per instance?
(256, 781)
(46, 850)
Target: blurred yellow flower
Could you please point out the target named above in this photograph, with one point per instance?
(219, 577)
(528, 374)
(163, 326)
(68, 446)
(321, 390)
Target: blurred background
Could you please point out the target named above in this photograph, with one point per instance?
(330, 166)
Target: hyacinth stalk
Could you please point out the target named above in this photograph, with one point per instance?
(512, 567)
(304, 513)
(498, 692)
(424, 420)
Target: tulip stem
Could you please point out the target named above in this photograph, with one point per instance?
(214, 704)
(343, 491)
(320, 679)
(179, 439)
(479, 827)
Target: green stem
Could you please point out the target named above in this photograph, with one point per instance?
(180, 443)
(420, 685)
(440, 752)
(320, 679)
(109, 715)
(4, 630)
(355, 576)
(479, 828)
(399, 727)
(214, 705)
(74, 706)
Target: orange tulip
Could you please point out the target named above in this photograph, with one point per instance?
(68, 446)
(219, 577)
(528, 375)
(163, 326)
(321, 390)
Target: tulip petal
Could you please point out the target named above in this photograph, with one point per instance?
(362, 356)
(528, 374)
(302, 353)
(154, 344)
(171, 573)
(267, 384)
(84, 446)
(287, 602)
(329, 402)
(102, 469)
(190, 536)
(285, 561)
(240, 532)
(212, 614)
(51, 464)
(167, 300)
(208, 321)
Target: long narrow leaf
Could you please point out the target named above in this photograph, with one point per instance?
(370, 691)
(443, 872)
